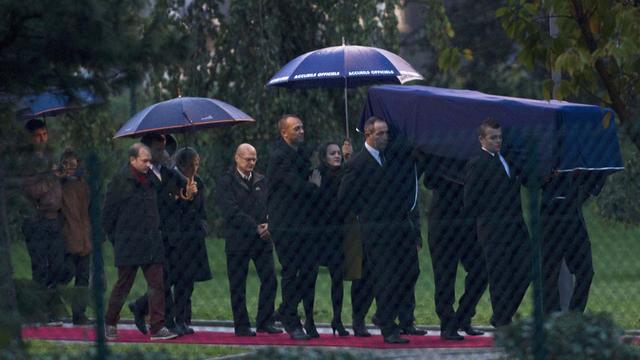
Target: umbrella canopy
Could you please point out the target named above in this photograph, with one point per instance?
(344, 66)
(52, 103)
(181, 115)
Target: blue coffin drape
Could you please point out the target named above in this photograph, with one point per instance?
(557, 135)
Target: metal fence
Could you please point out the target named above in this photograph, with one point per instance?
(395, 240)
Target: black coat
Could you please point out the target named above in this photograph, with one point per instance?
(243, 206)
(185, 237)
(290, 192)
(446, 215)
(493, 198)
(131, 221)
(327, 220)
(167, 189)
(381, 196)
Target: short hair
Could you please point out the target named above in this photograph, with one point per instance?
(283, 119)
(69, 153)
(149, 138)
(489, 122)
(134, 150)
(185, 156)
(34, 124)
(369, 124)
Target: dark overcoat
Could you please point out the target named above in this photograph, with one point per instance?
(243, 205)
(290, 193)
(131, 221)
(186, 230)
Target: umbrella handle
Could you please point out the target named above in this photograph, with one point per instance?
(346, 109)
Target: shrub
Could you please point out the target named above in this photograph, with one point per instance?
(569, 336)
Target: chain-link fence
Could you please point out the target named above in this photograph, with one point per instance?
(391, 239)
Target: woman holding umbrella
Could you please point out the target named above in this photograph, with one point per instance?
(187, 256)
(328, 233)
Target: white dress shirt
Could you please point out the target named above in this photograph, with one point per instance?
(502, 160)
(375, 153)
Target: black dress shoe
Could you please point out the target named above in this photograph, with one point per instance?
(81, 320)
(138, 317)
(412, 330)
(297, 334)
(176, 329)
(269, 329)
(359, 330)
(395, 339)
(310, 329)
(246, 332)
(277, 316)
(451, 334)
(471, 331)
(374, 320)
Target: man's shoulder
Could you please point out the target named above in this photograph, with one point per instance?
(359, 158)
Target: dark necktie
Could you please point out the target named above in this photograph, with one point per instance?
(382, 159)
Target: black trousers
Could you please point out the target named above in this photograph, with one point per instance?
(394, 272)
(362, 297)
(509, 271)
(80, 267)
(298, 261)
(46, 249)
(237, 269)
(450, 244)
(565, 237)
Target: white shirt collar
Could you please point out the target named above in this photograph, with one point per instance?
(490, 153)
(374, 152)
(156, 171)
(245, 177)
(505, 165)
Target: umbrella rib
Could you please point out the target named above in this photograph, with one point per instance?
(198, 124)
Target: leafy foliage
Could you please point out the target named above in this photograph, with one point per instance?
(618, 200)
(96, 44)
(473, 51)
(568, 336)
(595, 45)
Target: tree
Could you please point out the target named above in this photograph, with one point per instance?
(597, 49)
(237, 48)
(69, 45)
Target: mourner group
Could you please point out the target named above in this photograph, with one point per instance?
(354, 211)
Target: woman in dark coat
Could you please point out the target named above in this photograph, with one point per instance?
(187, 255)
(328, 233)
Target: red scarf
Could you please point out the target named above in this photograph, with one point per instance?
(141, 177)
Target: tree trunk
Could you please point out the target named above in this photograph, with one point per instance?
(608, 72)
(10, 320)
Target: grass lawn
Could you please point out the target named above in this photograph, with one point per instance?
(178, 351)
(615, 288)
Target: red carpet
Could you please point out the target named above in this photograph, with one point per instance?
(226, 338)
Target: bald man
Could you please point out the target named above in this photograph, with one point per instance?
(289, 202)
(241, 197)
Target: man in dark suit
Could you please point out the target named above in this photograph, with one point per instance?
(452, 241)
(379, 186)
(167, 184)
(492, 196)
(564, 235)
(241, 197)
(288, 205)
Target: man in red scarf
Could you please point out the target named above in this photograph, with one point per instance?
(131, 221)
